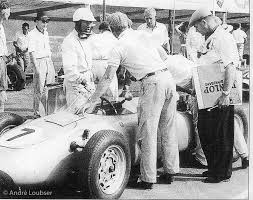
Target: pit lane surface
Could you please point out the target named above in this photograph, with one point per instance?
(187, 185)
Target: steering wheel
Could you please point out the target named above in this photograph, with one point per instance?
(109, 103)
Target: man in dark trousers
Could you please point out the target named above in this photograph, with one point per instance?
(216, 126)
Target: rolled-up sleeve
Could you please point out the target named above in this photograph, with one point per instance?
(115, 57)
(227, 50)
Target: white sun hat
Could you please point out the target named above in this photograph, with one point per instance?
(83, 14)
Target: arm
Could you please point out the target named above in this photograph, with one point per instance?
(102, 86)
(162, 53)
(228, 52)
(177, 28)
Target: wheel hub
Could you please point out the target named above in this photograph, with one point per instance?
(111, 170)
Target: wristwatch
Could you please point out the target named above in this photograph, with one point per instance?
(226, 93)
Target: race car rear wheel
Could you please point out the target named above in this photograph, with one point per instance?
(9, 121)
(107, 165)
(241, 127)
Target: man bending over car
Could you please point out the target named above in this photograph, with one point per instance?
(157, 102)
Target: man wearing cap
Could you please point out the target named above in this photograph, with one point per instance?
(4, 15)
(157, 30)
(157, 103)
(40, 53)
(77, 59)
(216, 127)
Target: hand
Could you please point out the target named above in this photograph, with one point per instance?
(89, 107)
(3, 96)
(223, 101)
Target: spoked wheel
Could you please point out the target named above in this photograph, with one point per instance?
(112, 169)
(107, 164)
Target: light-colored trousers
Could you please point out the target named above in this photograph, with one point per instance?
(240, 47)
(23, 59)
(45, 74)
(157, 115)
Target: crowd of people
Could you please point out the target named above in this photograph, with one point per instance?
(90, 62)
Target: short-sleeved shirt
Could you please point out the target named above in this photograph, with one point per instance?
(76, 58)
(136, 52)
(159, 33)
(3, 47)
(239, 35)
(221, 47)
(22, 40)
(39, 43)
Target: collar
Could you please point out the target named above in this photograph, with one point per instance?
(124, 33)
(153, 27)
(40, 30)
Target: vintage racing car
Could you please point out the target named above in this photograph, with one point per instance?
(99, 149)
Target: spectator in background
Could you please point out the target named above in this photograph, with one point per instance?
(40, 54)
(158, 30)
(21, 46)
(194, 44)
(182, 29)
(4, 15)
(240, 38)
(101, 44)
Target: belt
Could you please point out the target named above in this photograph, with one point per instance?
(154, 73)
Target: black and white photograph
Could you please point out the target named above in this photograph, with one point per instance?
(125, 99)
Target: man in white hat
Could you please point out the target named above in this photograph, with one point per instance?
(77, 59)
(157, 30)
(40, 54)
(157, 102)
(216, 127)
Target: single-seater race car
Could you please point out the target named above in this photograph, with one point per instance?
(99, 149)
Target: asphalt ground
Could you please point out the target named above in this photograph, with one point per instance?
(188, 183)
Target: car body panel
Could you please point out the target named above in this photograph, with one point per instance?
(39, 151)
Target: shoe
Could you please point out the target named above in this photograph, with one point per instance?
(212, 179)
(245, 163)
(144, 185)
(168, 178)
(206, 174)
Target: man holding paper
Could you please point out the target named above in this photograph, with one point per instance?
(216, 125)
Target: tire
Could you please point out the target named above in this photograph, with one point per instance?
(16, 76)
(9, 121)
(6, 184)
(241, 119)
(102, 176)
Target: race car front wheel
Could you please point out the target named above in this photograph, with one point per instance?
(106, 164)
(9, 121)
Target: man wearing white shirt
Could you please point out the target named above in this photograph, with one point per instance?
(240, 38)
(4, 15)
(40, 53)
(157, 30)
(21, 45)
(157, 103)
(77, 59)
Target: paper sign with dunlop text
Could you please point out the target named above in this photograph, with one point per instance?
(208, 82)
